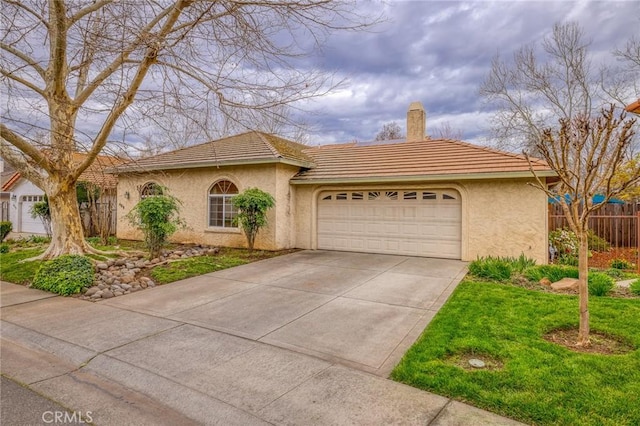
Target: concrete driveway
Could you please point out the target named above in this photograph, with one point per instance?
(360, 310)
(289, 340)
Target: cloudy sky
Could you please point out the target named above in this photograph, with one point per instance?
(439, 52)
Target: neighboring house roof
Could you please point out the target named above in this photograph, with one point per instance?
(429, 159)
(246, 148)
(95, 173)
(634, 107)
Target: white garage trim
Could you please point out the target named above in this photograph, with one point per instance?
(27, 223)
(409, 221)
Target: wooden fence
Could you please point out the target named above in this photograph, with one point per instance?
(616, 223)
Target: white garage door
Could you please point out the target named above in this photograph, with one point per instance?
(407, 222)
(27, 223)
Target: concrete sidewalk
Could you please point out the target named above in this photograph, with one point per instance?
(290, 340)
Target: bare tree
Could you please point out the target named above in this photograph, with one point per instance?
(588, 155)
(75, 68)
(389, 132)
(446, 131)
(543, 84)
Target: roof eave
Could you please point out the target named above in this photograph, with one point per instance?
(209, 163)
(425, 178)
(634, 107)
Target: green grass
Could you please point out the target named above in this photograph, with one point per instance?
(540, 382)
(192, 267)
(227, 258)
(13, 271)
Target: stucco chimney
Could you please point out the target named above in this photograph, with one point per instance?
(416, 122)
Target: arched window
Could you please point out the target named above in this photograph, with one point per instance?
(221, 209)
(149, 189)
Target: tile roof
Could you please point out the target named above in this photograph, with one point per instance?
(95, 173)
(634, 107)
(420, 160)
(246, 148)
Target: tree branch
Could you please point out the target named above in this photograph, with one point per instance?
(24, 57)
(24, 82)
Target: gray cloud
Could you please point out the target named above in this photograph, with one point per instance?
(439, 53)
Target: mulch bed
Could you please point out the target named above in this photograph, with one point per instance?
(602, 259)
(601, 343)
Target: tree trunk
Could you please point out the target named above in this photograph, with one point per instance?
(67, 235)
(583, 288)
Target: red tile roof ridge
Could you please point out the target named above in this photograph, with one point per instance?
(493, 150)
(9, 183)
(264, 140)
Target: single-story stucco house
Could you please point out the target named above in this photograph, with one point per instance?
(21, 194)
(419, 197)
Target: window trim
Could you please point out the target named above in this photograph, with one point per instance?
(226, 202)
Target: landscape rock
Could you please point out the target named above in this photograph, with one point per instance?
(102, 266)
(92, 291)
(107, 294)
(545, 282)
(565, 284)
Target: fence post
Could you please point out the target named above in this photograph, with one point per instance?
(638, 242)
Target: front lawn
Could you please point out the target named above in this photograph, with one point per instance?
(226, 258)
(11, 270)
(527, 377)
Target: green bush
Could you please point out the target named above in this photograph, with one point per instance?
(4, 248)
(620, 264)
(567, 259)
(64, 275)
(158, 218)
(493, 268)
(596, 243)
(616, 274)
(551, 272)
(566, 244)
(635, 287)
(252, 205)
(5, 228)
(521, 263)
(600, 284)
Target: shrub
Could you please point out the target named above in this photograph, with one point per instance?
(600, 284)
(519, 264)
(635, 287)
(596, 243)
(620, 264)
(493, 268)
(41, 210)
(616, 274)
(5, 228)
(64, 275)
(552, 272)
(157, 217)
(4, 248)
(252, 205)
(565, 242)
(567, 259)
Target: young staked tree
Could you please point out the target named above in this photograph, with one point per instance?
(80, 70)
(588, 154)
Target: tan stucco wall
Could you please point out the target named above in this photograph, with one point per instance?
(192, 187)
(499, 217)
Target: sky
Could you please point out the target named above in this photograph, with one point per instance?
(438, 53)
